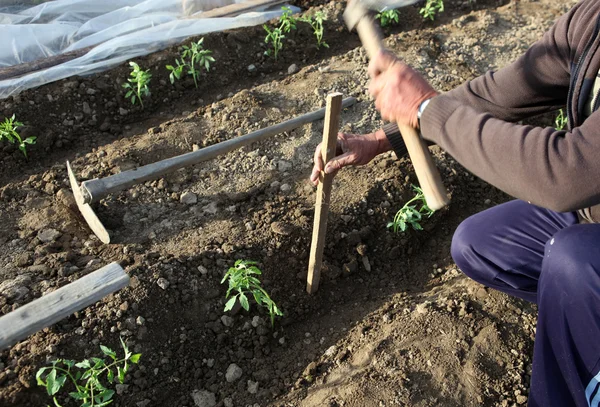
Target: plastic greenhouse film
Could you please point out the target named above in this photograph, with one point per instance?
(119, 30)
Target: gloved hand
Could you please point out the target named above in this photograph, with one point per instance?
(398, 89)
(351, 149)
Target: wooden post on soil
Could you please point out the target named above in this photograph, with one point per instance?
(53, 307)
(332, 118)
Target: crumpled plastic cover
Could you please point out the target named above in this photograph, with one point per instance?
(118, 30)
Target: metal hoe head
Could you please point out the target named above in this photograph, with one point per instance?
(379, 5)
(357, 9)
(86, 210)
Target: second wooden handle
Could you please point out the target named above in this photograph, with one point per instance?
(427, 173)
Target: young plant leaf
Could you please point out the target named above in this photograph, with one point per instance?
(244, 302)
(108, 352)
(229, 305)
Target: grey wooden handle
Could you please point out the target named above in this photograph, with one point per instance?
(51, 308)
(95, 189)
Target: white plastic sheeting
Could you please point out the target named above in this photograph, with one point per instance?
(119, 30)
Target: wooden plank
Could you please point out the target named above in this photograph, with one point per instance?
(332, 119)
(233, 10)
(51, 308)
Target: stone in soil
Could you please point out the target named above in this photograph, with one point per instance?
(163, 283)
(252, 387)
(204, 398)
(48, 235)
(234, 372)
(188, 198)
(281, 228)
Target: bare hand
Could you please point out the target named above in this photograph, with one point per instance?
(398, 89)
(351, 149)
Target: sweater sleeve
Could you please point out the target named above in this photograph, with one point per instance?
(544, 166)
(549, 168)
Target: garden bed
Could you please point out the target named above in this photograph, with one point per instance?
(393, 323)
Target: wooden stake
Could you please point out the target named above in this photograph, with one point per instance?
(332, 118)
(51, 308)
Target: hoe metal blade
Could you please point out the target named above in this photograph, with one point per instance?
(86, 210)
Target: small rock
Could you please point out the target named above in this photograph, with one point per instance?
(121, 388)
(163, 283)
(521, 399)
(422, 308)
(143, 403)
(48, 235)
(281, 228)
(366, 264)
(283, 166)
(256, 321)
(285, 188)
(204, 398)
(92, 263)
(292, 69)
(350, 267)
(361, 249)
(346, 218)
(331, 351)
(227, 320)
(211, 208)
(252, 387)
(234, 372)
(251, 68)
(23, 259)
(86, 108)
(188, 198)
(123, 112)
(140, 320)
(228, 402)
(15, 289)
(203, 270)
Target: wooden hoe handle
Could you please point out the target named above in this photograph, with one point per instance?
(427, 173)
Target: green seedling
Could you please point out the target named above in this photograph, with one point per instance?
(388, 17)
(317, 25)
(192, 57)
(243, 282)
(561, 121)
(287, 22)
(275, 37)
(137, 84)
(88, 377)
(410, 215)
(8, 131)
(431, 8)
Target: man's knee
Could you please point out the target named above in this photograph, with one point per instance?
(571, 262)
(465, 254)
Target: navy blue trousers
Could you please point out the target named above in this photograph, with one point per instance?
(550, 259)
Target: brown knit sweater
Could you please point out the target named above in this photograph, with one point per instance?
(475, 123)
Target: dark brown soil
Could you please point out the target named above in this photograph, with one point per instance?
(393, 323)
